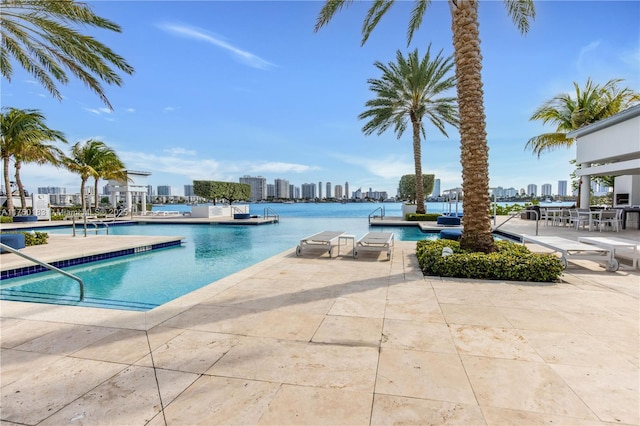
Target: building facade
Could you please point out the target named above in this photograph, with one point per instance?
(546, 190)
(308, 191)
(258, 186)
(562, 188)
(532, 189)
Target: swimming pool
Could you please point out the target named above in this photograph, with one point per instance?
(210, 252)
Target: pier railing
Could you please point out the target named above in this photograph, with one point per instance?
(373, 214)
(269, 213)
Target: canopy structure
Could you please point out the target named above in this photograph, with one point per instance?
(611, 147)
(134, 187)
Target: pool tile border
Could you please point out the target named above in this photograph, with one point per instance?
(29, 270)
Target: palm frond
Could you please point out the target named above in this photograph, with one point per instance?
(416, 18)
(330, 8)
(521, 12)
(375, 13)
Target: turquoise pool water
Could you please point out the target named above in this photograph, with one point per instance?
(209, 252)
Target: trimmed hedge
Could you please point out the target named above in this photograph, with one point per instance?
(428, 217)
(6, 219)
(35, 238)
(510, 261)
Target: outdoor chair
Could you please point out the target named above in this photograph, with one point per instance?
(608, 218)
(575, 219)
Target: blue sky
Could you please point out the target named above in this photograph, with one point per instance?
(224, 89)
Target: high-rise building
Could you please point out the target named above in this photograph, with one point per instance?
(562, 188)
(320, 190)
(188, 191)
(150, 190)
(328, 190)
(52, 190)
(282, 188)
(337, 193)
(308, 191)
(532, 189)
(165, 190)
(258, 186)
(346, 190)
(436, 188)
(271, 190)
(545, 190)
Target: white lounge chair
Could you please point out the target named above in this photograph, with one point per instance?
(322, 241)
(375, 241)
(570, 249)
(622, 248)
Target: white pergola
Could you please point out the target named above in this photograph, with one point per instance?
(136, 185)
(611, 147)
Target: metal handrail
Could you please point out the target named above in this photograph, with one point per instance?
(85, 222)
(48, 266)
(514, 214)
(268, 212)
(372, 214)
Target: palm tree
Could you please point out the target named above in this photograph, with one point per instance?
(567, 112)
(108, 166)
(474, 155)
(92, 158)
(39, 36)
(22, 133)
(408, 91)
(36, 152)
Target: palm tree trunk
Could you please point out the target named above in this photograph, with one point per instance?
(474, 154)
(417, 159)
(7, 185)
(23, 198)
(83, 203)
(95, 188)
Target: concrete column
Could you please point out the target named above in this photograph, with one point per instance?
(129, 204)
(585, 188)
(143, 203)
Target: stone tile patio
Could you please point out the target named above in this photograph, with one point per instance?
(312, 340)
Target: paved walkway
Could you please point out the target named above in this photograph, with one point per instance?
(312, 340)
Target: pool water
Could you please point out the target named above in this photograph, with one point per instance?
(209, 252)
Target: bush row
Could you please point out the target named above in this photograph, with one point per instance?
(510, 261)
(32, 238)
(428, 217)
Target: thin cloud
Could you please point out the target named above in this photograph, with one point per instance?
(243, 56)
(584, 52)
(179, 151)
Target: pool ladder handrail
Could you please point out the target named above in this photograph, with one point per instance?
(515, 214)
(48, 266)
(372, 215)
(268, 212)
(93, 222)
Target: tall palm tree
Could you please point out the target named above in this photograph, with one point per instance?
(108, 166)
(40, 36)
(22, 133)
(86, 159)
(39, 153)
(570, 112)
(474, 155)
(409, 90)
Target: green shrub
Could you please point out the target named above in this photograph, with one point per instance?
(6, 219)
(35, 238)
(428, 217)
(57, 217)
(510, 261)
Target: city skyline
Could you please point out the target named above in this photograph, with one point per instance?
(312, 190)
(223, 89)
